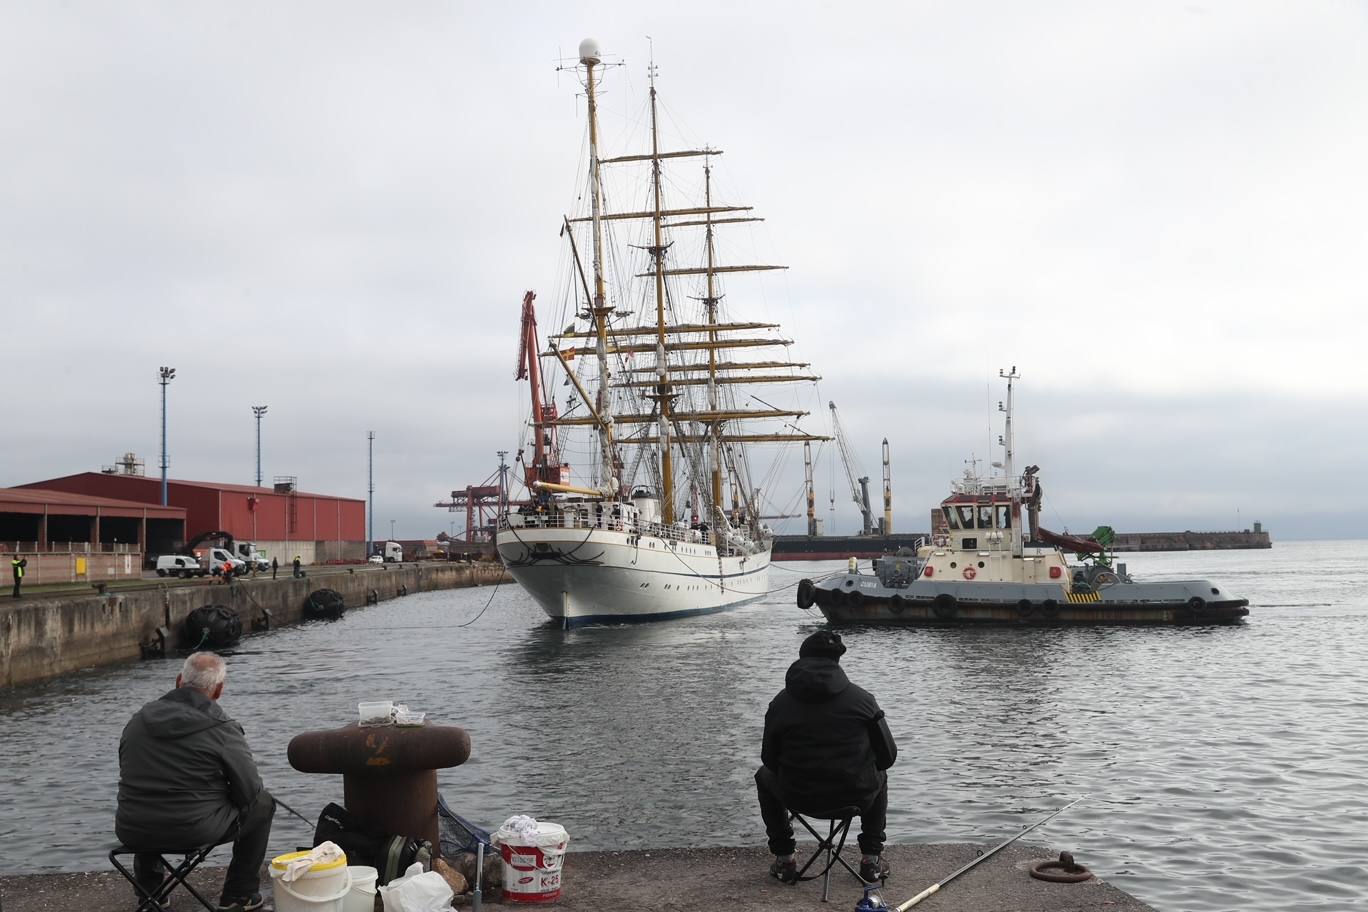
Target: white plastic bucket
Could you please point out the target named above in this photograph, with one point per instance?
(320, 889)
(532, 864)
(361, 895)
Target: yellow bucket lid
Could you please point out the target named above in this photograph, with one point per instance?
(281, 862)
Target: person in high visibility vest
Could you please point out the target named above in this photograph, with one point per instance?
(17, 568)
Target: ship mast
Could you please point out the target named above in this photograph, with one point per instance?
(590, 57)
(710, 302)
(662, 393)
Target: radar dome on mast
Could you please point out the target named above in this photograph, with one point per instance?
(589, 52)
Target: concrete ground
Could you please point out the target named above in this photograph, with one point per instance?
(691, 880)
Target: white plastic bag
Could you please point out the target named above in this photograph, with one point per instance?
(417, 891)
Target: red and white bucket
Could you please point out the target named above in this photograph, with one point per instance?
(532, 862)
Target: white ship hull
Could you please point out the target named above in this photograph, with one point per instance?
(603, 576)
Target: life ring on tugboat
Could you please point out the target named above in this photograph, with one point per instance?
(897, 604)
(945, 607)
(806, 594)
(970, 573)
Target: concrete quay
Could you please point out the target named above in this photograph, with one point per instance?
(44, 636)
(692, 880)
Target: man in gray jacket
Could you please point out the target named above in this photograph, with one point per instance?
(187, 779)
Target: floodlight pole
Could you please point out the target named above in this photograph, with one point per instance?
(370, 491)
(258, 410)
(167, 374)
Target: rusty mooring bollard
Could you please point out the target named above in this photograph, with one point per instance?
(389, 773)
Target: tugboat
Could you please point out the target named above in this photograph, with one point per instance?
(981, 569)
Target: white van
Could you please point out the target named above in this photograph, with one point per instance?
(178, 565)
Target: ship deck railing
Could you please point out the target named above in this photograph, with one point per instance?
(574, 519)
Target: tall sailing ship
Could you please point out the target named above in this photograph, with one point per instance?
(664, 518)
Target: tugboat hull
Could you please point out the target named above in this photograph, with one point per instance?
(859, 599)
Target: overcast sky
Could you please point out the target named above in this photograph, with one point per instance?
(1157, 211)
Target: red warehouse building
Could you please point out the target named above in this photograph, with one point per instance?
(282, 521)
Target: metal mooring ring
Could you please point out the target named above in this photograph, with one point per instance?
(1062, 871)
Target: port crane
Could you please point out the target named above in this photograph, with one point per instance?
(888, 493)
(808, 491)
(546, 465)
(859, 484)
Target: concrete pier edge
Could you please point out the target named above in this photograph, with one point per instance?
(44, 637)
(694, 880)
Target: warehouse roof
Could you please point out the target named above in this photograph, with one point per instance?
(210, 485)
(30, 500)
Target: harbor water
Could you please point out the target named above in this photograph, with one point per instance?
(1224, 767)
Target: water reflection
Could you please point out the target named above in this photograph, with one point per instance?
(1213, 757)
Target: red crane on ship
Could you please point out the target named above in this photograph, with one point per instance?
(546, 464)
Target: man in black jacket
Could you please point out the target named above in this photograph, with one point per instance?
(187, 779)
(826, 746)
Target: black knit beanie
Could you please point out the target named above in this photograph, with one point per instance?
(824, 644)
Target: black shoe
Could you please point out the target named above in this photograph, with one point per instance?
(871, 871)
(241, 903)
(784, 871)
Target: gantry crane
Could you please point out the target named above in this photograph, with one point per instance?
(859, 484)
(808, 490)
(888, 493)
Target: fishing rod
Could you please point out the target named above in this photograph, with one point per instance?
(984, 857)
(292, 811)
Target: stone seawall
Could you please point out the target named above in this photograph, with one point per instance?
(1191, 541)
(45, 637)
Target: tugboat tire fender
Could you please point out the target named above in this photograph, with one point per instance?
(1196, 603)
(945, 606)
(897, 604)
(1049, 609)
(806, 594)
(1025, 609)
(854, 598)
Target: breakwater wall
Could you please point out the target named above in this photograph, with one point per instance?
(1191, 541)
(45, 637)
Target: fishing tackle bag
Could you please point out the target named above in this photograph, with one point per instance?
(389, 855)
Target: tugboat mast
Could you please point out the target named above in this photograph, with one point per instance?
(1013, 488)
